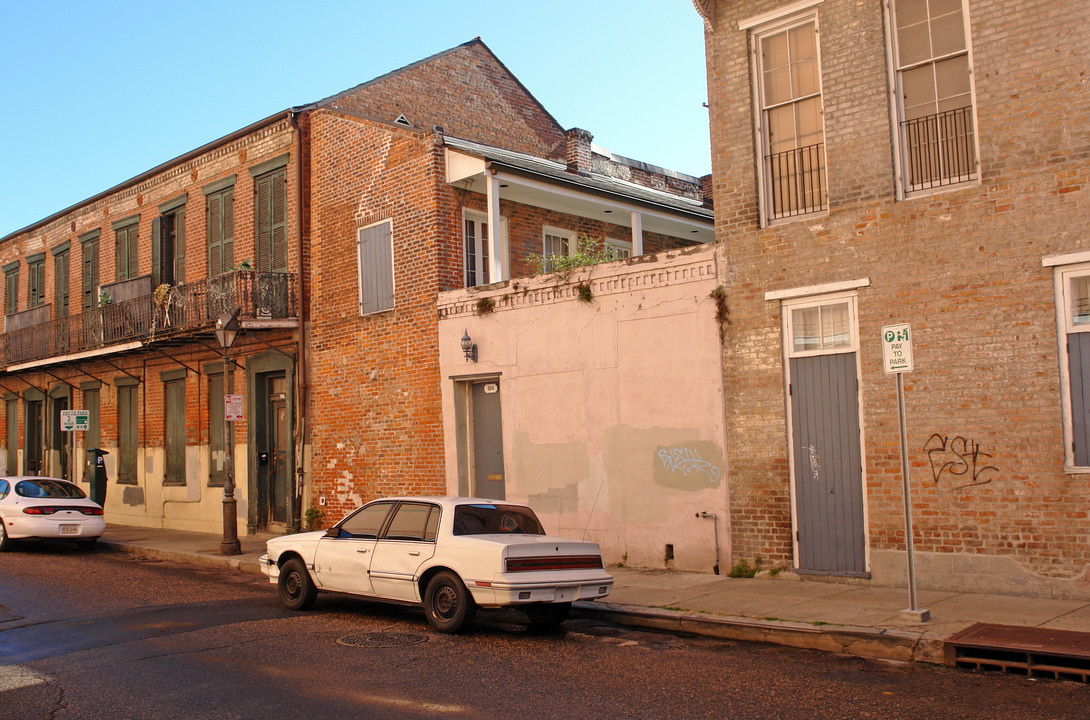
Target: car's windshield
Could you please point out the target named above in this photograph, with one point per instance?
(484, 519)
(45, 488)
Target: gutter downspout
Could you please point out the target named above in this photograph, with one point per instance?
(303, 372)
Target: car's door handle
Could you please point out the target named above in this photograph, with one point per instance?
(362, 551)
(414, 552)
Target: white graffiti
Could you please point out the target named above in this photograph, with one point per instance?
(815, 466)
(688, 462)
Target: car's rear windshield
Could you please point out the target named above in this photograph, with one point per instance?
(44, 488)
(485, 519)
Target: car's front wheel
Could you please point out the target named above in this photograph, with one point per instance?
(447, 604)
(548, 615)
(297, 590)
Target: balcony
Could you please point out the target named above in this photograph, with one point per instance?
(939, 149)
(136, 315)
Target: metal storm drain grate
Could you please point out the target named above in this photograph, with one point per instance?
(382, 639)
(1031, 651)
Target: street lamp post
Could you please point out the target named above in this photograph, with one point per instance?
(227, 328)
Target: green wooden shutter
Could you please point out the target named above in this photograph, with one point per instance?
(174, 392)
(213, 215)
(156, 252)
(92, 437)
(12, 416)
(60, 283)
(11, 289)
(179, 247)
(90, 274)
(216, 420)
(228, 199)
(271, 210)
(127, 419)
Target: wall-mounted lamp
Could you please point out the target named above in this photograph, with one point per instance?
(469, 347)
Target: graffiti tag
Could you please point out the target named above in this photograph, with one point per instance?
(815, 466)
(688, 462)
(958, 457)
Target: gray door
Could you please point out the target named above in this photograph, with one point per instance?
(487, 460)
(1078, 357)
(828, 465)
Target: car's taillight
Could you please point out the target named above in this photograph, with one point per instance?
(563, 562)
(51, 509)
(91, 511)
(39, 510)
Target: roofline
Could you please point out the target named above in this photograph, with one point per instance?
(156, 170)
(431, 58)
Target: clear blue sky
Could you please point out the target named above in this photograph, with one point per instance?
(98, 92)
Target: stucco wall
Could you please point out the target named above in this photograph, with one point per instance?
(612, 409)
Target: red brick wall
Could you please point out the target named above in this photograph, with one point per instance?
(963, 266)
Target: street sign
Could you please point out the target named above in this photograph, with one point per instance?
(896, 349)
(72, 420)
(232, 408)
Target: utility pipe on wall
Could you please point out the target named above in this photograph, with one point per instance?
(715, 522)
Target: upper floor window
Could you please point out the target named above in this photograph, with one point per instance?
(933, 94)
(168, 243)
(220, 220)
(271, 215)
(790, 122)
(557, 244)
(128, 258)
(11, 288)
(60, 282)
(376, 268)
(618, 249)
(475, 249)
(36, 281)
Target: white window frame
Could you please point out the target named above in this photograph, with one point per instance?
(1065, 326)
(792, 16)
(618, 249)
(360, 269)
(569, 235)
(482, 247)
(897, 110)
(790, 306)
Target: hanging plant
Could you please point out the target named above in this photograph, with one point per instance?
(161, 296)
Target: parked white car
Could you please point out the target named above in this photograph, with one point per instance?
(46, 508)
(450, 555)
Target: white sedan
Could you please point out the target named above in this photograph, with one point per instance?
(46, 508)
(450, 555)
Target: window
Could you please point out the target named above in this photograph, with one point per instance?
(216, 422)
(1073, 308)
(270, 211)
(791, 126)
(89, 271)
(820, 328)
(220, 217)
(11, 288)
(36, 280)
(128, 259)
(168, 244)
(127, 419)
(174, 426)
(375, 253)
(933, 94)
(367, 521)
(558, 243)
(476, 250)
(618, 249)
(60, 283)
(415, 522)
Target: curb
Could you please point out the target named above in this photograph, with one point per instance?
(900, 645)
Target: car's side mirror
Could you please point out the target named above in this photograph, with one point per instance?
(333, 532)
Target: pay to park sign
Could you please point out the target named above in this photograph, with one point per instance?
(896, 349)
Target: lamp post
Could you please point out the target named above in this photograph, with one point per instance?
(227, 328)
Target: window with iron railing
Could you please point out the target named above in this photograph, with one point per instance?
(792, 127)
(933, 94)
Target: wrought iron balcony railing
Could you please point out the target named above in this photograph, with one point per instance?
(796, 181)
(939, 149)
(167, 313)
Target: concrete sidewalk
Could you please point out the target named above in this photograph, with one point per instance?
(853, 619)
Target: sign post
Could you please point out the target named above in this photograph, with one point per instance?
(73, 421)
(897, 360)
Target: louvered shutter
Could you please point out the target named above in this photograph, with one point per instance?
(262, 204)
(214, 220)
(271, 200)
(228, 253)
(376, 269)
(90, 275)
(179, 247)
(156, 252)
(279, 222)
(60, 283)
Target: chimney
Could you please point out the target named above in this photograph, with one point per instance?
(708, 188)
(577, 151)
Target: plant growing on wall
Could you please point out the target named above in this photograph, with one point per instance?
(588, 251)
(722, 312)
(485, 305)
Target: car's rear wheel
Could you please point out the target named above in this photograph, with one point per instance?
(548, 615)
(447, 604)
(5, 541)
(297, 590)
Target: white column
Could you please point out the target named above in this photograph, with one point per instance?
(637, 234)
(497, 242)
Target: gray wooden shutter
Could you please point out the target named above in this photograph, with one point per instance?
(1078, 358)
(271, 210)
(376, 269)
(216, 422)
(174, 392)
(156, 252)
(127, 419)
(93, 436)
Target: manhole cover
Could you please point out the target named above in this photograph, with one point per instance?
(381, 640)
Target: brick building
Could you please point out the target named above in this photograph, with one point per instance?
(920, 162)
(332, 227)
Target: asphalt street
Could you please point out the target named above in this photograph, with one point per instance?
(105, 635)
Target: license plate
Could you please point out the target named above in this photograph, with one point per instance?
(69, 529)
(564, 595)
